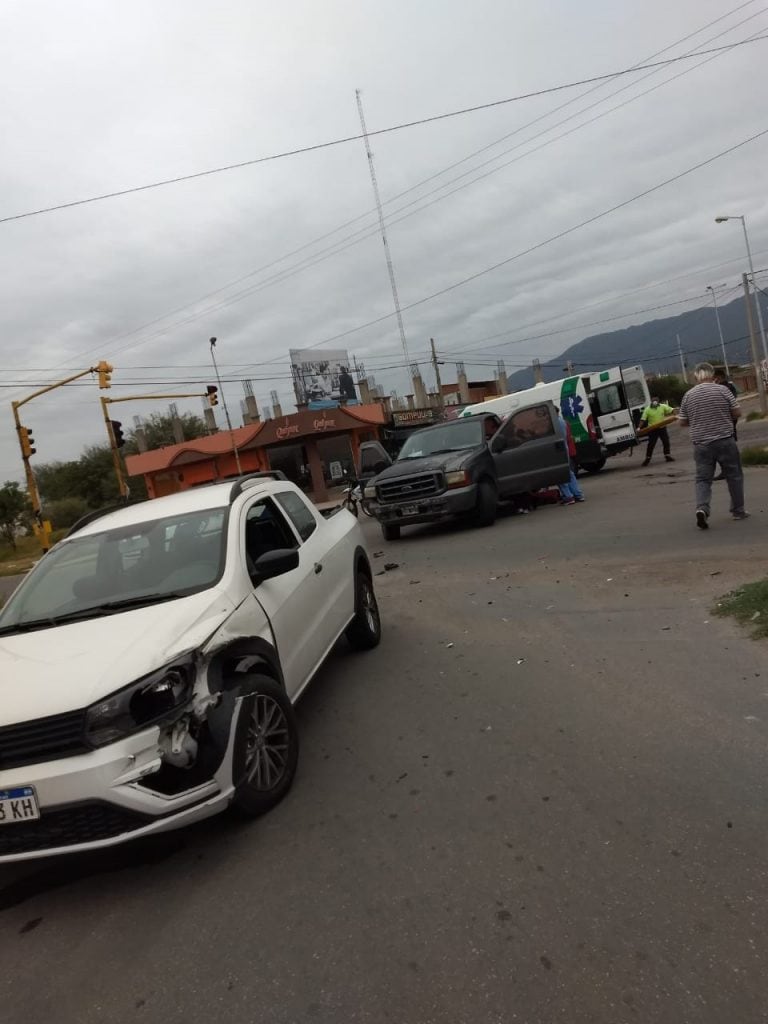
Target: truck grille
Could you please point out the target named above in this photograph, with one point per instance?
(68, 826)
(45, 739)
(411, 488)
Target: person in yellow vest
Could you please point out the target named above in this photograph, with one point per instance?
(655, 413)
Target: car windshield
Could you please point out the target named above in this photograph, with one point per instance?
(126, 567)
(450, 437)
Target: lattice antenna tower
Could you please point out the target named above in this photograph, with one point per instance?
(387, 253)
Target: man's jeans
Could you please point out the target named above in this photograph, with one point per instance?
(726, 452)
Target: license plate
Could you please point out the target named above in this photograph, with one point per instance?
(18, 805)
(410, 510)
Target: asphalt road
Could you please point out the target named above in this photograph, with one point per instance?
(542, 799)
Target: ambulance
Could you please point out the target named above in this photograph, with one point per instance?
(602, 408)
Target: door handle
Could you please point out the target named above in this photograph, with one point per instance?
(318, 568)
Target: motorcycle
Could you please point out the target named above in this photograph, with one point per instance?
(354, 500)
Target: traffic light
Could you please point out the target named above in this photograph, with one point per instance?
(105, 374)
(117, 433)
(213, 395)
(27, 442)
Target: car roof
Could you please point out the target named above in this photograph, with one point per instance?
(196, 499)
(459, 419)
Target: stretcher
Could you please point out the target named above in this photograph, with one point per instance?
(644, 431)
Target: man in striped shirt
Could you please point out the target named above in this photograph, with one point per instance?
(711, 412)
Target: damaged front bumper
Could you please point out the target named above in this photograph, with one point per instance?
(106, 797)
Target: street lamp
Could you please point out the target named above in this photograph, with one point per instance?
(710, 288)
(736, 216)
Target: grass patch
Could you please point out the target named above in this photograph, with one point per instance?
(28, 551)
(754, 415)
(748, 605)
(754, 456)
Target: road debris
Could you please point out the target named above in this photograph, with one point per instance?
(389, 566)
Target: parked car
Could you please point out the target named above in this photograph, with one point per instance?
(149, 664)
(464, 467)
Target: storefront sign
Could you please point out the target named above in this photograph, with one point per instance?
(413, 417)
(285, 432)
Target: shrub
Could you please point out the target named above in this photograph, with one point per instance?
(754, 456)
(754, 415)
(65, 512)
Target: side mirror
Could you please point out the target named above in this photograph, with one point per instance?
(275, 563)
(499, 444)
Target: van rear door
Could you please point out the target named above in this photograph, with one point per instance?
(610, 408)
(529, 451)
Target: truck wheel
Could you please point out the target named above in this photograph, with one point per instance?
(487, 500)
(266, 748)
(592, 467)
(390, 532)
(364, 631)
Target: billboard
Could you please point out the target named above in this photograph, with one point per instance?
(322, 378)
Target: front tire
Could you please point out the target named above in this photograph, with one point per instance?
(592, 467)
(487, 502)
(364, 631)
(390, 532)
(266, 748)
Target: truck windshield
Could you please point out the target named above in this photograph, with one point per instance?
(126, 567)
(450, 437)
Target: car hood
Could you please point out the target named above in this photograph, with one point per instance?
(67, 667)
(427, 464)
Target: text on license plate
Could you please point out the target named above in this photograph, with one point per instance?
(18, 805)
(410, 510)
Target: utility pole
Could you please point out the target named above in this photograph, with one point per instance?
(390, 266)
(538, 376)
(719, 330)
(226, 410)
(683, 365)
(438, 382)
(755, 351)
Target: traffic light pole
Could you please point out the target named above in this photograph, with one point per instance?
(116, 460)
(38, 525)
(41, 527)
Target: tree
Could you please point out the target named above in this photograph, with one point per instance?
(91, 478)
(14, 510)
(158, 430)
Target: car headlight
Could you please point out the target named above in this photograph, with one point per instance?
(150, 699)
(458, 478)
(369, 491)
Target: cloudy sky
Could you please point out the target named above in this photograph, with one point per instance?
(100, 96)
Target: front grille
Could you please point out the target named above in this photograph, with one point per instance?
(44, 739)
(68, 826)
(410, 488)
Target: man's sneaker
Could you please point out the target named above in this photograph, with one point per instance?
(669, 458)
(739, 515)
(581, 498)
(701, 519)
(568, 501)
(646, 462)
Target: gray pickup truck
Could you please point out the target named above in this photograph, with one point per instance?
(463, 468)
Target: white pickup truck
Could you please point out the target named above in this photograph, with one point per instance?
(150, 662)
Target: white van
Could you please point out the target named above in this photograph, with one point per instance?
(602, 408)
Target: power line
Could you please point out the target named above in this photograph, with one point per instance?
(547, 241)
(369, 231)
(339, 246)
(356, 138)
